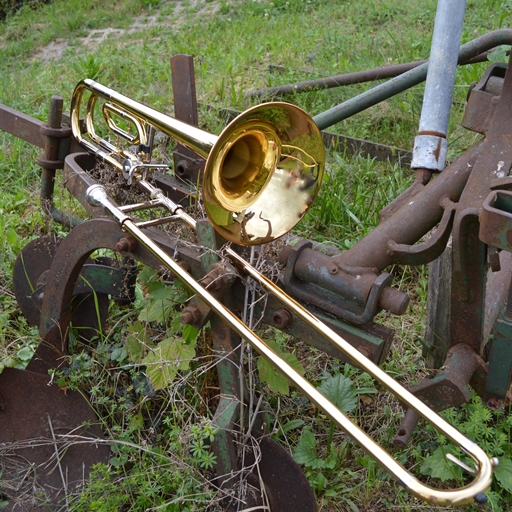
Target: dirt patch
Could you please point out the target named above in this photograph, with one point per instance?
(94, 38)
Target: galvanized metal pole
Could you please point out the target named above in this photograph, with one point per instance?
(430, 145)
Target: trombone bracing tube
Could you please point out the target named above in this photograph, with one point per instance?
(97, 196)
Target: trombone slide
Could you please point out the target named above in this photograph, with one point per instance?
(97, 196)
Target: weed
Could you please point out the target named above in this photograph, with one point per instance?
(89, 66)
(490, 429)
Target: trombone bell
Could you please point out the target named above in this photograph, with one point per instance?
(263, 173)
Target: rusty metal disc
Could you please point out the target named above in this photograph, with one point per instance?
(32, 262)
(38, 467)
(29, 283)
(286, 486)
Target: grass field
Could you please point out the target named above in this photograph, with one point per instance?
(238, 46)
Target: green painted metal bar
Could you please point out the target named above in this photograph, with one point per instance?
(407, 80)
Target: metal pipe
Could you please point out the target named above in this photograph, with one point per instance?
(405, 226)
(430, 145)
(50, 162)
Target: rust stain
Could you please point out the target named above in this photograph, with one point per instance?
(437, 151)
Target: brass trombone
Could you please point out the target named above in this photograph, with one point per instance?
(305, 162)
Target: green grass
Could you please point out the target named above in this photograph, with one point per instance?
(236, 47)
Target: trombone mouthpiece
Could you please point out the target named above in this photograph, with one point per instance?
(96, 195)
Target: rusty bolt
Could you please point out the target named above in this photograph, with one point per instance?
(365, 351)
(126, 244)
(190, 315)
(281, 318)
(334, 270)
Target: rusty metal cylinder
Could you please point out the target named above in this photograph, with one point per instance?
(316, 268)
(281, 318)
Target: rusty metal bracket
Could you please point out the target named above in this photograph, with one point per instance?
(496, 220)
(427, 251)
(482, 99)
(187, 165)
(447, 388)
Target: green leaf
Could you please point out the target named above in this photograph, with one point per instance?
(118, 461)
(156, 311)
(163, 362)
(12, 236)
(142, 384)
(340, 391)
(190, 333)
(118, 354)
(321, 482)
(25, 354)
(161, 301)
(147, 275)
(274, 379)
(305, 452)
(135, 342)
(503, 473)
(438, 466)
(499, 55)
(292, 425)
(351, 504)
(367, 391)
(160, 291)
(136, 422)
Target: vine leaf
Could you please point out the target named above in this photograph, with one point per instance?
(305, 451)
(164, 361)
(503, 473)
(161, 300)
(135, 342)
(438, 466)
(499, 54)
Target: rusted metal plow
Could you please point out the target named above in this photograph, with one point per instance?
(56, 283)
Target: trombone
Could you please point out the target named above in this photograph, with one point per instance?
(239, 182)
